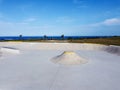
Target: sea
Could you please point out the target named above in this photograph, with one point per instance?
(48, 37)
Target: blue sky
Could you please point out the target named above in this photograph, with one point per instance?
(56, 17)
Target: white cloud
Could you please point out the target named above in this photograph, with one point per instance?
(23, 26)
(107, 22)
(12, 28)
(112, 21)
(26, 27)
(11, 24)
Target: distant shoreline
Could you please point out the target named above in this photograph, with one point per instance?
(50, 37)
(106, 40)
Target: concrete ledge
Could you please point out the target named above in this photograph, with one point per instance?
(9, 50)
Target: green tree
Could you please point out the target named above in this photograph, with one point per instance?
(45, 37)
(20, 36)
(62, 36)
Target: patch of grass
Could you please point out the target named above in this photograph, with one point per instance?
(106, 41)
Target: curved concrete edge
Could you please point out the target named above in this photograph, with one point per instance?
(110, 49)
(113, 49)
(60, 46)
(9, 50)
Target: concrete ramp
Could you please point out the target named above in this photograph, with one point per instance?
(69, 58)
(9, 50)
(113, 49)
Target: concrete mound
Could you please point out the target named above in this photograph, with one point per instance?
(113, 49)
(9, 50)
(69, 58)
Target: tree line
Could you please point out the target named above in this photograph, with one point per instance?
(45, 37)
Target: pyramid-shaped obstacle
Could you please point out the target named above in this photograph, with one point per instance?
(69, 58)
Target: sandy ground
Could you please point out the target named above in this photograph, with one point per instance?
(32, 69)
